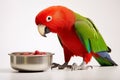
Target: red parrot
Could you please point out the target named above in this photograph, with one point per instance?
(77, 35)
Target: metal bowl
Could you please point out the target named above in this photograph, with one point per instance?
(30, 62)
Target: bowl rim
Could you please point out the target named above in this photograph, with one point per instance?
(14, 54)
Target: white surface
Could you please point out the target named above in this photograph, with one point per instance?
(97, 73)
(18, 32)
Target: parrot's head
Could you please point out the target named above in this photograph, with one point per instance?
(54, 19)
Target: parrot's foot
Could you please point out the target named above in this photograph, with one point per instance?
(54, 65)
(83, 66)
(74, 66)
(65, 65)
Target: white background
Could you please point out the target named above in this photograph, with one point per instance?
(18, 31)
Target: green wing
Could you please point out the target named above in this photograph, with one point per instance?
(89, 35)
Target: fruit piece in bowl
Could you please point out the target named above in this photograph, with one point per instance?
(33, 53)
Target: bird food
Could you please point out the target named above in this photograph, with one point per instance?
(34, 53)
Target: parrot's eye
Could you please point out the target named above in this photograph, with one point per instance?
(48, 18)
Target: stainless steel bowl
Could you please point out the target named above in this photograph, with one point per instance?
(30, 62)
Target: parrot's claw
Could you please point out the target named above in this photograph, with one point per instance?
(84, 67)
(81, 67)
(54, 65)
(74, 66)
(65, 65)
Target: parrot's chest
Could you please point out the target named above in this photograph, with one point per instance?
(72, 42)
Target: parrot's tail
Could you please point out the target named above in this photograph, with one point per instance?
(104, 59)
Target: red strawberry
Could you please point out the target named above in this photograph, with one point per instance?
(37, 52)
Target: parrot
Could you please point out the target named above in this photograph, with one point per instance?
(77, 35)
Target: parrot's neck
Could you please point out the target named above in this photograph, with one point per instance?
(65, 31)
